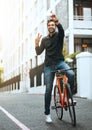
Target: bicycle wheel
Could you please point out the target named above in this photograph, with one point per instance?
(59, 109)
(71, 106)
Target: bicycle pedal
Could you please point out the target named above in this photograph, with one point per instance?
(53, 107)
(65, 108)
(74, 103)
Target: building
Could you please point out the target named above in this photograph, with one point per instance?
(23, 70)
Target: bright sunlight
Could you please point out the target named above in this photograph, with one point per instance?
(5, 22)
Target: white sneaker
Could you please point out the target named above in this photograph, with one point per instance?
(74, 101)
(48, 118)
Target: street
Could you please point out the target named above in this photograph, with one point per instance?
(24, 111)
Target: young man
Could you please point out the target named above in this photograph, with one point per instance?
(54, 59)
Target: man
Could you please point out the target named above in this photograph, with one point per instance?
(54, 59)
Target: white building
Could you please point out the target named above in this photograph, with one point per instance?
(27, 19)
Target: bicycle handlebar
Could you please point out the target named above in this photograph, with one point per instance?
(63, 70)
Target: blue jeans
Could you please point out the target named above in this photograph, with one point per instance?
(49, 78)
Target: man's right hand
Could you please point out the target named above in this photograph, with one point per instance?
(54, 17)
(37, 40)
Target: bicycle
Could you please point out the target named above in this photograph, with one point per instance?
(63, 98)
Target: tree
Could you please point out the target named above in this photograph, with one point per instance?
(1, 72)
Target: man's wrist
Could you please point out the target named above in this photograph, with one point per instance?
(56, 22)
(36, 45)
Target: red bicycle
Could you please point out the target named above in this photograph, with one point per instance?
(63, 98)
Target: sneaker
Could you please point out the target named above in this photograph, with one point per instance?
(74, 102)
(48, 118)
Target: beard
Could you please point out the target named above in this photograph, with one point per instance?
(51, 30)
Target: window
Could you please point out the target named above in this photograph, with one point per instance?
(83, 44)
(87, 13)
(83, 9)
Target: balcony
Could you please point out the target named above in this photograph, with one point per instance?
(81, 22)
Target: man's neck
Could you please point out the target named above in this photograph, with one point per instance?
(51, 34)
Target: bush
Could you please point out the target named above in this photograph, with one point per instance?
(73, 64)
(72, 56)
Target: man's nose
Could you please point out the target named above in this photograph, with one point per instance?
(51, 26)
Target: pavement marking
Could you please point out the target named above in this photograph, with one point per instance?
(18, 123)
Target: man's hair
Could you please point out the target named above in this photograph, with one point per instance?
(50, 20)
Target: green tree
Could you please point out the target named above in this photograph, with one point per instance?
(1, 71)
(65, 52)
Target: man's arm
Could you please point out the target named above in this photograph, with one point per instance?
(60, 30)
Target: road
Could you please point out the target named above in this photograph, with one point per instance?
(26, 112)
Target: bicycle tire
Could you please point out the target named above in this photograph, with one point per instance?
(71, 105)
(59, 109)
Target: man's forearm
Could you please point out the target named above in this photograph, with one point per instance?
(60, 29)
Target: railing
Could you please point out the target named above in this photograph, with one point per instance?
(11, 84)
(87, 18)
(36, 75)
(82, 22)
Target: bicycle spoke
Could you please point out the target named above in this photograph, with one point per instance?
(71, 106)
(59, 109)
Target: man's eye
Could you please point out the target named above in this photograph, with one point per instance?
(51, 25)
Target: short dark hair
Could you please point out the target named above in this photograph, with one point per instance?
(50, 20)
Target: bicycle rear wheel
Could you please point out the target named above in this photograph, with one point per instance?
(59, 109)
(71, 105)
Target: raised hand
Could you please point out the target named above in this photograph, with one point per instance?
(37, 40)
(54, 17)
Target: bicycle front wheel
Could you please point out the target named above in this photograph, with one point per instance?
(71, 105)
(59, 109)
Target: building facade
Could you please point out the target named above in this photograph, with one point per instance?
(23, 69)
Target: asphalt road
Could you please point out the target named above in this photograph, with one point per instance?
(26, 112)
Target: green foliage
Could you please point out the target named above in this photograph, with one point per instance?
(1, 80)
(65, 52)
(72, 56)
(1, 71)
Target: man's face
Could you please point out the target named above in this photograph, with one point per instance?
(51, 27)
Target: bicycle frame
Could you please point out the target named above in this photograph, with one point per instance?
(63, 93)
(63, 96)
